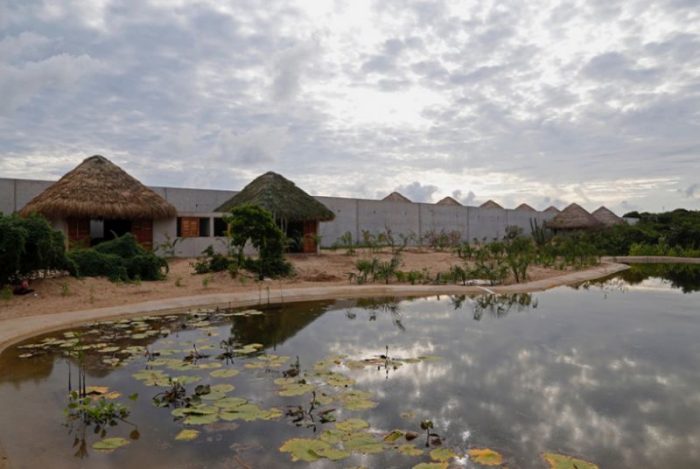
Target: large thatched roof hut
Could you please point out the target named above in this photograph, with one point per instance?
(297, 213)
(552, 209)
(448, 201)
(525, 208)
(490, 204)
(100, 191)
(572, 218)
(397, 197)
(607, 217)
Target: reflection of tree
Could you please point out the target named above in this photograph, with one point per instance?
(279, 324)
(501, 305)
(380, 305)
(683, 276)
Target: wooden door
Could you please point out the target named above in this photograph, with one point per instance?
(143, 232)
(78, 232)
(310, 230)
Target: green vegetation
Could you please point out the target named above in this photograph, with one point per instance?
(29, 245)
(121, 259)
(249, 223)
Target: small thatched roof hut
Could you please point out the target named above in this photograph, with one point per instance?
(490, 204)
(552, 209)
(525, 208)
(607, 217)
(281, 197)
(449, 201)
(397, 197)
(97, 188)
(297, 213)
(573, 217)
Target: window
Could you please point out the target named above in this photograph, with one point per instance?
(220, 227)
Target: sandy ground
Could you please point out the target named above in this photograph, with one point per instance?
(55, 295)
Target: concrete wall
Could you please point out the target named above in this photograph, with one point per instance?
(353, 215)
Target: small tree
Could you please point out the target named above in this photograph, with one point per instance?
(250, 222)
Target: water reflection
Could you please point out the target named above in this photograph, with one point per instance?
(610, 378)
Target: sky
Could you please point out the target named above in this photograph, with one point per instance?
(544, 102)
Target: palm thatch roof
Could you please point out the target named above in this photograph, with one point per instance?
(281, 197)
(607, 217)
(525, 208)
(490, 204)
(552, 209)
(97, 188)
(448, 201)
(573, 217)
(396, 197)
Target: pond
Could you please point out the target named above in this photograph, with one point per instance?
(605, 373)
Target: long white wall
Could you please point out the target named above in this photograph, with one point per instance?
(352, 215)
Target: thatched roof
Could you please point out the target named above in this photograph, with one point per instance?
(573, 217)
(607, 217)
(396, 197)
(448, 201)
(281, 197)
(552, 209)
(490, 204)
(97, 188)
(525, 208)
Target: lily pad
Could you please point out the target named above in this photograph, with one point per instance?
(230, 402)
(409, 450)
(187, 379)
(357, 400)
(362, 443)
(485, 456)
(109, 444)
(201, 419)
(351, 425)
(393, 435)
(304, 449)
(222, 388)
(431, 465)
(228, 373)
(295, 389)
(152, 378)
(338, 380)
(187, 435)
(334, 454)
(562, 461)
(442, 454)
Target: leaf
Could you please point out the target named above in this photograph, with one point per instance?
(296, 389)
(362, 443)
(334, 454)
(152, 378)
(187, 379)
(431, 465)
(442, 454)
(109, 444)
(351, 425)
(304, 449)
(409, 450)
(222, 388)
(485, 456)
(201, 419)
(228, 373)
(562, 461)
(230, 402)
(393, 435)
(338, 380)
(187, 435)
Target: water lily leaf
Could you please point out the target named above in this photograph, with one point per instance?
(230, 402)
(249, 412)
(96, 390)
(357, 400)
(213, 396)
(201, 419)
(304, 449)
(268, 361)
(108, 349)
(187, 435)
(222, 388)
(393, 435)
(110, 444)
(562, 461)
(208, 366)
(228, 373)
(187, 379)
(485, 456)
(152, 378)
(431, 465)
(351, 425)
(332, 435)
(442, 454)
(429, 358)
(140, 335)
(409, 450)
(334, 454)
(408, 415)
(296, 389)
(362, 443)
(338, 380)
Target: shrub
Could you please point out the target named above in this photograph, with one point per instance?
(211, 262)
(92, 263)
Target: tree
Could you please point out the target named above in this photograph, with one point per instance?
(255, 224)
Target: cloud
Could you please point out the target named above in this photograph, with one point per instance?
(516, 104)
(692, 190)
(468, 199)
(418, 192)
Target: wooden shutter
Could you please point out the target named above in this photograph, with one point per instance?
(189, 227)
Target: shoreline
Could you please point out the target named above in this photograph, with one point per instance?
(15, 330)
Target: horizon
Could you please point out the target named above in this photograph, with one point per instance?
(543, 103)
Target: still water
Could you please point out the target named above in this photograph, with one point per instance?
(607, 372)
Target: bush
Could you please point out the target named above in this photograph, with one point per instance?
(212, 262)
(121, 259)
(28, 245)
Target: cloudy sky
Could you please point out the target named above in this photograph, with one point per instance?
(593, 101)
